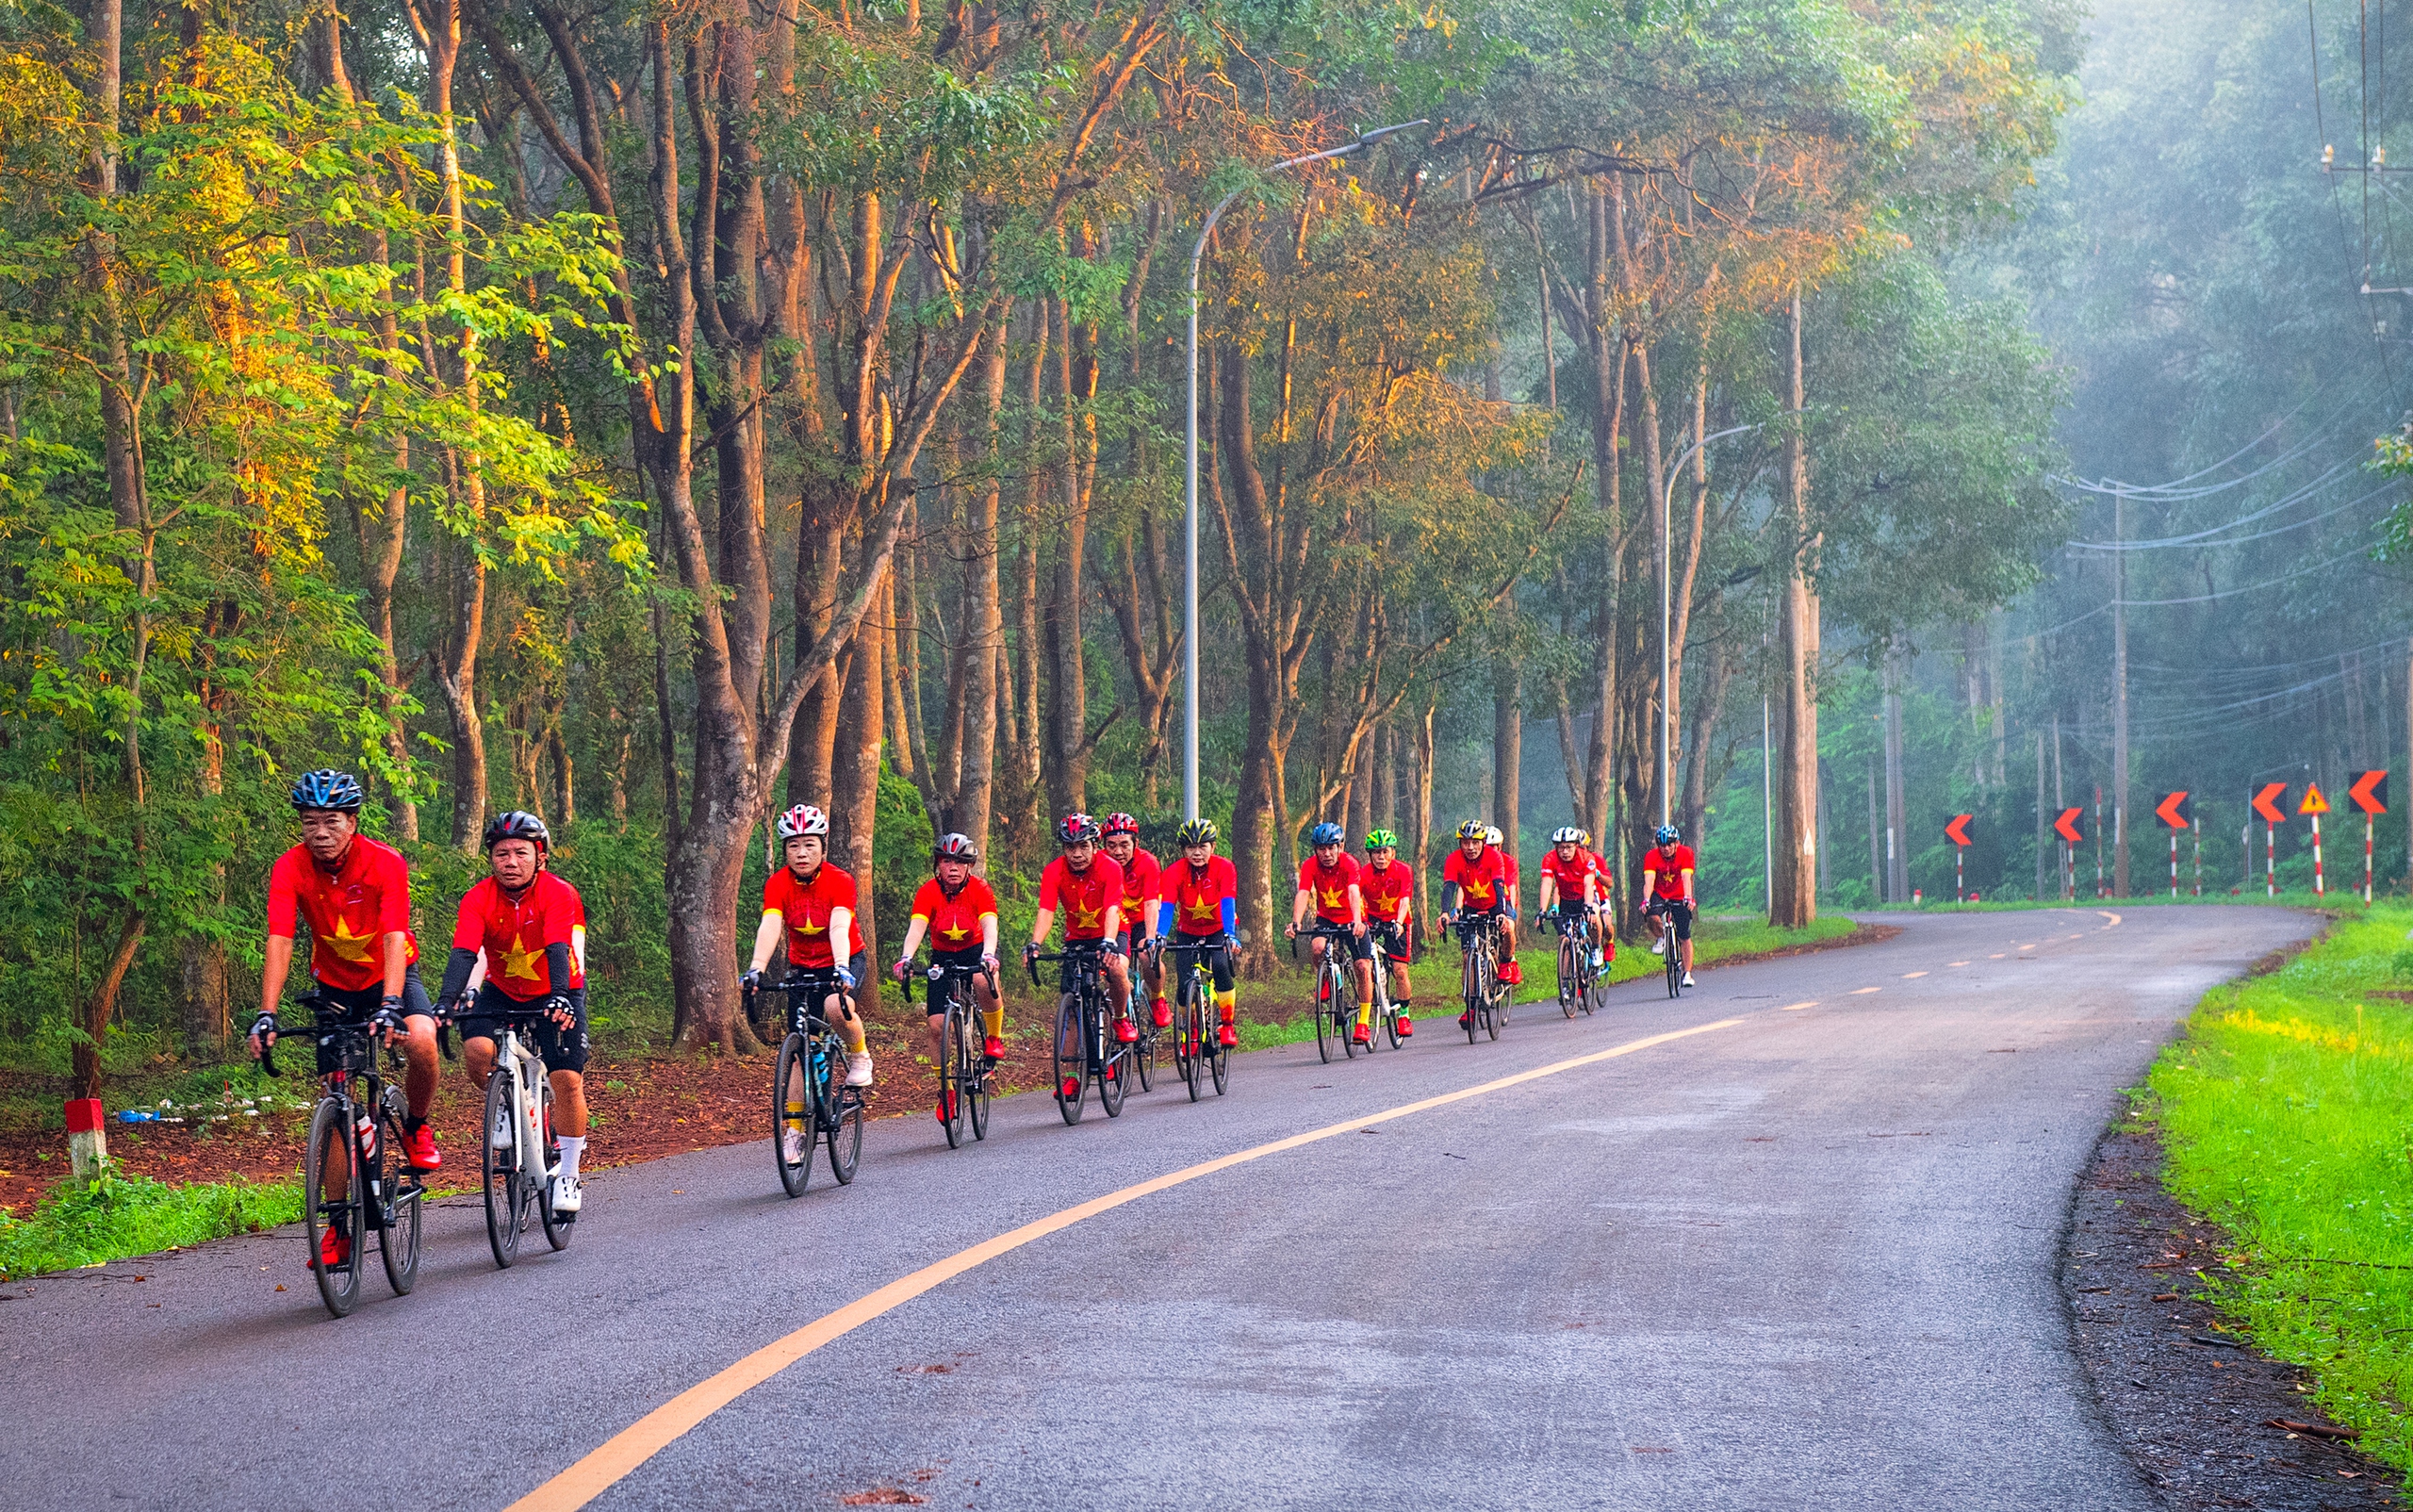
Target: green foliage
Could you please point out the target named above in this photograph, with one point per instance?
(113, 1216)
(2284, 1114)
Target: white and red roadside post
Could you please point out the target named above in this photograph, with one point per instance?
(2313, 807)
(2198, 827)
(1957, 830)
(88, 1139)
(2370, 792)
(2177, 812)
(2266, 803)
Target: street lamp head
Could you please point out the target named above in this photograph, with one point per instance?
(1369, 138)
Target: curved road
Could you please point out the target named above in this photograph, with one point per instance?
(1801, 1256)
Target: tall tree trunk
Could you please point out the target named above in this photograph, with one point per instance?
(1419, 815)
(1797, 797)
(855, 789)
(1067, 729)
(1507, 750)
(983, 622)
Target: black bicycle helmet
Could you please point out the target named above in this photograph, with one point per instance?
(1075, 827)
(517, 825)
(328, 789)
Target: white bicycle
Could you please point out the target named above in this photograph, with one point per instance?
(522, 1154)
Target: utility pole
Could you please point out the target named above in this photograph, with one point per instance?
(2041, 820)
(2069, 886)
(2119, 697)
(1897, 861)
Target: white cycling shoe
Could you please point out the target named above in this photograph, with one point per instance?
(1688, 978)
(858, 1068)
(792, 1147)
(569, 1194)
(1659, 946)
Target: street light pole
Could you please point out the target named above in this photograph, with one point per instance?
(1190, 461)
(1668, 619)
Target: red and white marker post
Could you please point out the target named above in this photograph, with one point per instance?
(2175, 811)
(88, 1139)
(2370, 792)
(2313, 807)
(1957, 830)
(2266, 803)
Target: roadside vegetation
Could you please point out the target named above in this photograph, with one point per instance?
(116, 1215)
(2284, 1111)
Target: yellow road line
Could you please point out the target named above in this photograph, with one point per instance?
(657, 1430)
(1912, 976)
(1786, 1009)
(1862, 992)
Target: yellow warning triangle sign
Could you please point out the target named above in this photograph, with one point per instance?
(2313, 803)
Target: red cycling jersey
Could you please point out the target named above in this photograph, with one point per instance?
(1670, 863)
(1330, 885)
(955, 922)
(514, 933)
(1569, 874)
(805, 909)
(1138, 886)
(348, 910)
(1483, 884)
(1388, 891)
(1197, 893)
(1085, 897)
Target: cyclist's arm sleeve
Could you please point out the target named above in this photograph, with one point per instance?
(458, 967)
(1164, 915)
(1448, 898)
(556, 966)
(1231, 917)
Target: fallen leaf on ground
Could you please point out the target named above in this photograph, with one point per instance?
(2319, 1430)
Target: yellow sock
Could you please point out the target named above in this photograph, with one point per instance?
(855, 1037)
(1365, 1013)
(1228, 1001)
(996, 1020)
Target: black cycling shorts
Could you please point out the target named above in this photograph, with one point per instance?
(1360, 947)
(968, 960)
(1394, 940)
(563, 1049)
(1679, 915)
(343, 1004)
(1218, 955)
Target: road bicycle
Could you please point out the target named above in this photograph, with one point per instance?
(963, 1065)
(1674, 954)
(356, 1130)
(810, 1103)
(1385, 938)
(1198, 1052)
(1150, 1046)
(1336, 1008)
(1086, 1049)
(1479, 983)
(522, 1154)
(1581, 984)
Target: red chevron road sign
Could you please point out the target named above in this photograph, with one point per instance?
(1957, 830)
(2370, 792)
(2176, 811)
(2071, 826)
(2266, 802)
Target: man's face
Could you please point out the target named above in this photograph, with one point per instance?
(1472, 848)
(1120, 847)
(513, 862)
(1328, 855)
(952, 872)
(804, 854)
(325, 832)
(1197, 855)
(1080, 853)
(1381, 858)
(1566, 850)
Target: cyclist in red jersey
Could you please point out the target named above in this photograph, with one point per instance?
(1475, 880)
(1139, 871)
(353, 895)
(519, 941)
(1573, 883)
(808, 903)
(1088, 886)
(1388, 887)
(1197, 903)
(958, 914)
(1328, 885)
(1668, 876)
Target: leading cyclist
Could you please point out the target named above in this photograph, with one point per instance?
(958, 912)
(528, 927)
(1668, 876)
(811, 904)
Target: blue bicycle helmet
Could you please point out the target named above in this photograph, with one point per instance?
(1326, 834)
(327, 789)
(1666, 834)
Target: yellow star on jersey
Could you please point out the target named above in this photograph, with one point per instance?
(1329, 897)
(522, 963)
(809, 928)
(1201, 912)
(956, 933)
(350, 946)
(1088, 918)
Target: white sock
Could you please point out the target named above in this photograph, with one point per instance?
(572, 1147)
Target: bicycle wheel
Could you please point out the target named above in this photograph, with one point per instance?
(1218, 1059)
(953, 1096)
(792, 1120)
(1474, 968)
(557, 1229)
(503, 1179)
(845, 1129)
(972, 1073)
(1570, 975)
(1327, 1003)
(1143, 1055)
(1675, 967)
(330, 1165)
(1072, 1059)
(398, 1234)
(1189, 1048)
(1113, 1060)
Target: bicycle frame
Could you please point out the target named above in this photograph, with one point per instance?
(516, 1060)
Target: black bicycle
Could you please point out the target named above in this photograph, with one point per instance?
(1198, 1052)
(1666, 907)
(963, 1065)
(1086, 1049)
(1479, 981)
(810, 1103)
(354, 1177)
(1336, 1008)
(1579, 981)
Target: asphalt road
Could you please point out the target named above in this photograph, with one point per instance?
(1806, 1260)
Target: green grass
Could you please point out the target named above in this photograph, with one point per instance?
(2288, 1115)
(116, 1215)
(1714, 940)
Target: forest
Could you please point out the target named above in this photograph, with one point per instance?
(653, 416)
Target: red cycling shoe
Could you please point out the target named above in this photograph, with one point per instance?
(1071, 1088)
(947, 1108)
(994, 1047)
(334, 1249)
(419, 1144)
(1227, 1035)
(1405, 1028)
(1126, 1032)
(1162, 1014)
(1513, 974)
(1362, 1034)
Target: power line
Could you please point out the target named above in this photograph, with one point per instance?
(2325, 482)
